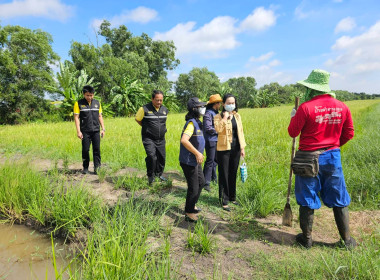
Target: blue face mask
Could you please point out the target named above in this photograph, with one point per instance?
(230, 107)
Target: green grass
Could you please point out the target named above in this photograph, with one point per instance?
(267, 153)
(361, 162)
(27, 194)
(129, 241)
(121, 245)
(320, 262)
(200, 239)
(121, 241)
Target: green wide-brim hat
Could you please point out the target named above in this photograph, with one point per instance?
(318, 80)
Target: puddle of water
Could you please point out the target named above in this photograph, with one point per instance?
(27, 254)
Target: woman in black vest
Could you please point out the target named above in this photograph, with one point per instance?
(191, 156)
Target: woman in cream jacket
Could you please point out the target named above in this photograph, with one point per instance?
(230, 148)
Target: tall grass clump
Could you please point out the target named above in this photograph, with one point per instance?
(201, 239)
(27, 194)
(23, 193)
(262, 193)
(72, 208)
(362, 160)
(102, 174)
(121, 244)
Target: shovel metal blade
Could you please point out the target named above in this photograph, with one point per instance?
(287, 216)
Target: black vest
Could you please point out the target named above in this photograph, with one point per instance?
(197, 140)
(89, 115)
(154, 122)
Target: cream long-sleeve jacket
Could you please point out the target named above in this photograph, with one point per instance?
(224, 130)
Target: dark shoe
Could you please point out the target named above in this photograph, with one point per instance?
(226, 208)
(85, 171)
(235, 202)
(207, 188)
(306, 224)
(188, 219)
(303, 241)
(342, 222)
(150, 179)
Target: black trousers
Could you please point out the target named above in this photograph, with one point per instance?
(195, 183)
(228, 164)
(155, 156)
(209, 168)
(88, 138)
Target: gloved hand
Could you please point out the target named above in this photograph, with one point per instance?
(293, 113)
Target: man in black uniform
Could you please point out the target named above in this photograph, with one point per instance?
(88, 117)
(152, 118)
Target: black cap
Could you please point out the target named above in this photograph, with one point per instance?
(194, 102)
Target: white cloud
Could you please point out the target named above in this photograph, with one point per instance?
(357, 58)
(263, 69)
(345, 25)
(300, 12)
(259, 20)
(274, 63)
(261, 57)
(213, 37)
(140, 15)
(216, 36)
(52, 9)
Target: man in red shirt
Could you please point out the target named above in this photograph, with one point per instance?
(325, 123)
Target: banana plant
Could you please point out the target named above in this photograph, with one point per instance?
(128, 97)
(69, 87)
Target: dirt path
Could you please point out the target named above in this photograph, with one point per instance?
(236, 241)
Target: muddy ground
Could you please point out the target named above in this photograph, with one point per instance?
(236, 242)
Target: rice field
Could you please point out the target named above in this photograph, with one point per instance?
(267, 153)
(132, 240)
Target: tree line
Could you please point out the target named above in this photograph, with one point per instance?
(124, 71)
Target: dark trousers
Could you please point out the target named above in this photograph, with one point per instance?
(228, 164)
(195, 183)
(209, 169)
(88, 138)
(155, 156)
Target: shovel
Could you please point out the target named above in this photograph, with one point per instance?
(287, 216)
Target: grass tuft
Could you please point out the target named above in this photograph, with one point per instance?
(201, 240)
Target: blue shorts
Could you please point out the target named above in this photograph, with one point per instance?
(329, 184)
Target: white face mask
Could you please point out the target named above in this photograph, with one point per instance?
(202, 110)
(229, 107)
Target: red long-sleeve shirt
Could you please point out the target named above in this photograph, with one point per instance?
(323, 122)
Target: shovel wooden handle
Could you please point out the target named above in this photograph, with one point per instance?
(297, 101)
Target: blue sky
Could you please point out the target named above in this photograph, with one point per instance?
(272, 41)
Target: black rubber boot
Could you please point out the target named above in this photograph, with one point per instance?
(343, 224)
(306, 224)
